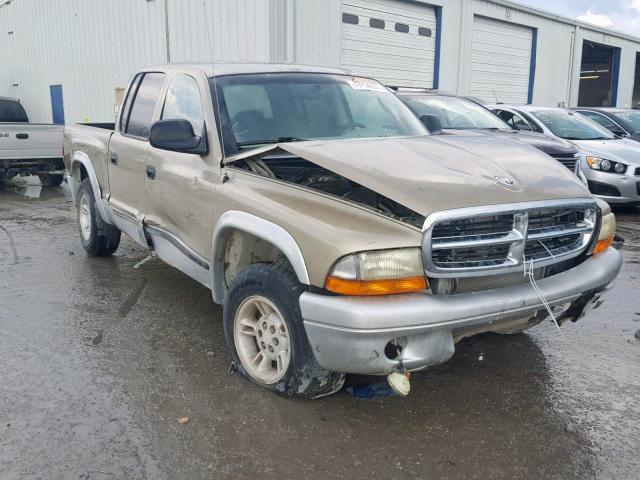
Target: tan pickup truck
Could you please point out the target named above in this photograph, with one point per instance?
(338, 234)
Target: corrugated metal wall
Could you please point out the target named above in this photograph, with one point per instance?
(91, 47)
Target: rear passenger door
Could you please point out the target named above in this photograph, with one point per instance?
(129, 151)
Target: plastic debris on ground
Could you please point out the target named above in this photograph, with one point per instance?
(29, 186)
(375, 390)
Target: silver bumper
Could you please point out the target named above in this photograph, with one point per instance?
(349, 334)
(626, 184)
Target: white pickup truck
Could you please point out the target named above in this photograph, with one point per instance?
(29, 148)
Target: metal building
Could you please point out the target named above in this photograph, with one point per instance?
(68, 60)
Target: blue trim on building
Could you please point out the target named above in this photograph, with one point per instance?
(57, 104)
(436, 62)
(617, 53)
(532, 66)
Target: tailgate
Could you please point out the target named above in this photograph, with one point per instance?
(28, 140)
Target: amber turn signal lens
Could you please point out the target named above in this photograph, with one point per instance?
(602, 245)
(375, 287)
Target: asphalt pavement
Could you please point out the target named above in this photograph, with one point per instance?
(113, 372)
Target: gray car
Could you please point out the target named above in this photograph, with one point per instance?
(610, 165)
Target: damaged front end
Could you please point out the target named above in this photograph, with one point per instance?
(278, 163)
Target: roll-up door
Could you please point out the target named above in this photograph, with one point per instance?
(500, 61)
(392, 41)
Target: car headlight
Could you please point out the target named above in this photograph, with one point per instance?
(606, 234)
(604, 165)
(378, 272)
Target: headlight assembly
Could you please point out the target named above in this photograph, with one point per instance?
(378, 272)
(607, 231)
(604, 165)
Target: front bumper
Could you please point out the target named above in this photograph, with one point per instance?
(627, 185)
(349, 334)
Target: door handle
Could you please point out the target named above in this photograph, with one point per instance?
(22, 136)
(151, 172)
(114, 158)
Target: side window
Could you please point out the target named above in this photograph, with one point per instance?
(183, 102)
(144, 104)
(532, 123)
(601, 120)
(124, 115)
(515, 121)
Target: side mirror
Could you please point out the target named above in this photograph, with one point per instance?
(432, 122)
(177, 136)
(525, 127)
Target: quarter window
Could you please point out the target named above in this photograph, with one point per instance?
(144, 105)
(183, 102)
(127, 102)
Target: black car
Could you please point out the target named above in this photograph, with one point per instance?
(623, 122)
(458, 113)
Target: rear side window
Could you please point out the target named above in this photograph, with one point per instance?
(143, 105)
(183, 102)
(127, 102)
(12, 112)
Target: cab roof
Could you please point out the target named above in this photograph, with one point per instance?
(241, 68)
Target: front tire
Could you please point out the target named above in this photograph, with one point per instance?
(265, 333)
(98, 238)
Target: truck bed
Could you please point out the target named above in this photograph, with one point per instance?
(20, 141)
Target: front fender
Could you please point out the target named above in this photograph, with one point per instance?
(268, 231)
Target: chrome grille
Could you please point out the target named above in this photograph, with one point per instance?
(568, 161)
(478, 241)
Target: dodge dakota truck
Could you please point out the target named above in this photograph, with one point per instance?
(28, 148)
(339, 236)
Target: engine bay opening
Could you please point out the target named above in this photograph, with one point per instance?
(293, 169)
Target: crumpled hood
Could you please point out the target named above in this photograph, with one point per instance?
(434, 173)
(620, 150)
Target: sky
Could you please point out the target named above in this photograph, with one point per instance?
(623, 15)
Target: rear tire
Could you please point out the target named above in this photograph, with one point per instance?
(51, 180)
(99, 239)
(265, 333)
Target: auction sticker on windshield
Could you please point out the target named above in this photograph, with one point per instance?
(358, 83)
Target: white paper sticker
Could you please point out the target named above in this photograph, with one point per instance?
(359, 83)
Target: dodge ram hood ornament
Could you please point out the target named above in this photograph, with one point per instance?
(504, 181)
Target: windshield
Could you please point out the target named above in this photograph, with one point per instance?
(630, 117)
(12, 112)
(454, 112)
(572, 126)
(268, 108)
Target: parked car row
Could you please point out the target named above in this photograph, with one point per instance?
(600, 145)
(609, 163)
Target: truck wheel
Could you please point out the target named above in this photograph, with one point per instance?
(98, 238)
(51, 180)
(264, 330)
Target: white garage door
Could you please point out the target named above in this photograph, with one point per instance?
(391, 41)
(500, 61)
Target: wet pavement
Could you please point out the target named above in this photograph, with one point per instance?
(113, 372)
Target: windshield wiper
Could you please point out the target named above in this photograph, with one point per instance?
(271, 140)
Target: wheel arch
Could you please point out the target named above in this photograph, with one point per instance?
(81, 166)
(263, 236)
